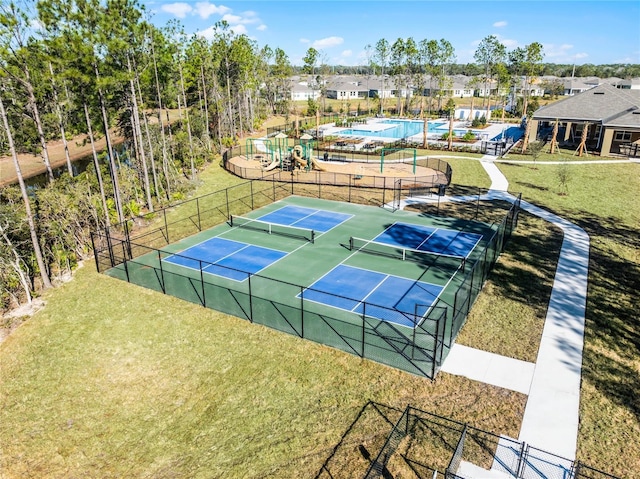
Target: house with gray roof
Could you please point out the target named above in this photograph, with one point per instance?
(610, 115)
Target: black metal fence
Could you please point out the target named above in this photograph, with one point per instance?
(296, 128)
(438, 447)
(441, 168)
(134, 251)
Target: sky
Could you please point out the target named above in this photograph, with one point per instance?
(571, 32)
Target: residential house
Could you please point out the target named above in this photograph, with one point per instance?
(610, 116)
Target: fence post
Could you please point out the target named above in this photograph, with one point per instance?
(273, 182)
(166, 226)
(198, 210)
(302, 311)
(95, 253)
(522, 460)
(127, 239)
(126, 270)
(107, 232)
(226, 194)
(164, 290)
(250, 298)
(364, 311)
(204, 300)
(251, 190)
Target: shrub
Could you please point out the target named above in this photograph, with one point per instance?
(469, 136)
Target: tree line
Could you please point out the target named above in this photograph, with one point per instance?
(619, 70)
(100, 69)
(165, 103)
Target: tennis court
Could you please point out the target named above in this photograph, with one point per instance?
(373, 282)
(349, 288)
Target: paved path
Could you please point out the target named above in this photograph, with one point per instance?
(551, 418)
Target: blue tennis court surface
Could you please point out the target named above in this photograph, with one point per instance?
(345, 287)
(226, 258)
(432, 240)
(309, 218)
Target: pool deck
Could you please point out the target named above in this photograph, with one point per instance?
(374, 125)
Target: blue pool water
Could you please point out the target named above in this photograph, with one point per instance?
(398, 129)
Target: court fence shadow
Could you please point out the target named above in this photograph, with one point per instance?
(384, 441)
(136, 251)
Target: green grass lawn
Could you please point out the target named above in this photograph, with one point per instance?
(112, 380)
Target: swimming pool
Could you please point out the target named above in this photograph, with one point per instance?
(398, 129)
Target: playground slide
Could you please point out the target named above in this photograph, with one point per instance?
(296, 155)
(274, 164)
(260, 146)
(316, 165)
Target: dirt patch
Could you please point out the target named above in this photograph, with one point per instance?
(33, 165)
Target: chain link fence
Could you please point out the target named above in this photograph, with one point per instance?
(135, 251)
(412, 443)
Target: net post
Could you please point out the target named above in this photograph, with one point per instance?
(351, 243)
(313, 236)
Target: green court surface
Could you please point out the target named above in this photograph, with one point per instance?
(274, 291)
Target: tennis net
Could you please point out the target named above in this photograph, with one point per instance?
(273, 228)
(406, 254)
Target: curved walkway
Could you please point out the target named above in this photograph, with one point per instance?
(551, 416)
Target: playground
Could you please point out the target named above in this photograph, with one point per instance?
(261, 157)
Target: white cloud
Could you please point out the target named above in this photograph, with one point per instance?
(205, 9)
(179, 9)
(207, 33)
(500, 24)
(247, 18)
(327, 42)
(346, 54)
(581, 55)
(232, 19)
(261, 28)
(305, 40)
(238, 29)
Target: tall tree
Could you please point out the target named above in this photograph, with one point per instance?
(489, 53)
(382, 53)
(526, 62)
(37, 251)
(17, 47)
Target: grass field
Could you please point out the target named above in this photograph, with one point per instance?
(112, 380)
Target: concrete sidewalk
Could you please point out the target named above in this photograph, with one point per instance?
(551, 416)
